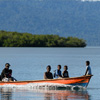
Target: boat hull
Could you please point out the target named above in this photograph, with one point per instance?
(75, 81)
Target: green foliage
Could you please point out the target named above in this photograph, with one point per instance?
(15, 39)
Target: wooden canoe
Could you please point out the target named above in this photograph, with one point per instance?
(73, 81)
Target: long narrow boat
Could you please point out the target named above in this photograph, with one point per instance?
(74, 81)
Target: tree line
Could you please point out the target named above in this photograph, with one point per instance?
(15, 39)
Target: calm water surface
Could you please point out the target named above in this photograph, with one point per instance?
(30, 64)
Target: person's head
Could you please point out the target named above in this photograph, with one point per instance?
(10, 71)
(87, 63)
(65, 67)
(7, 65)
(48, 68)
(59, 67)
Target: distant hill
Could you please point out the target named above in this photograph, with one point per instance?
(62, 17)
(15, 39)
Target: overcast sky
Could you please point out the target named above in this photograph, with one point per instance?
(90, 0)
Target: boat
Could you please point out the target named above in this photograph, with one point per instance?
(82, 81)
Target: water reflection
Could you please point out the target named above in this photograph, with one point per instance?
(6, 94)
(66, 95)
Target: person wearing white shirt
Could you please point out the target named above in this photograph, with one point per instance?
(88, 68)
(5, 79)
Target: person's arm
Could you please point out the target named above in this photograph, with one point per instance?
(45, 77)
(63, 74)
(55, 73)
(3, 74)
(67, 74)
(13, 79)
(60, 74)
(86, 71)
(51, 76)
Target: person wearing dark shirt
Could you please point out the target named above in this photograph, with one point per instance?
(57, 73)
(5, 71)
(48, 74)
(10, 76)
(65, 72)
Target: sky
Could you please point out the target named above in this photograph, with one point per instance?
(90, 0)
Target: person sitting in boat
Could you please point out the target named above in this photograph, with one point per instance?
(65, 72)
(10, 76)
(5, 71)
(57, 73)
(5, 79)
(88, 68)
(48, 74)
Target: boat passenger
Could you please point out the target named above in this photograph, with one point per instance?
(10, 73)
(65, 72)
(5, 71)
(57, 73)
(48, 74)
(88, 68)
(10, 76)
(5, 79)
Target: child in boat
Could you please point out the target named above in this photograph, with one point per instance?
(48, 74)
(5, 79)
(65, 72)
(57, 73)
(5, 71)
(10, 76)
(10, 73)
(88, 68)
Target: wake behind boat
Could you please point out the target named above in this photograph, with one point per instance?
(82, 81)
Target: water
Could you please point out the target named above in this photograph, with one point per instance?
(30, 64)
